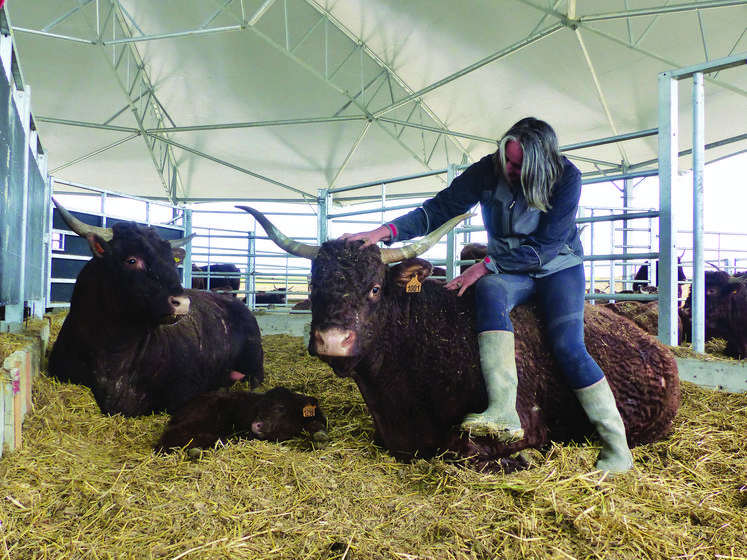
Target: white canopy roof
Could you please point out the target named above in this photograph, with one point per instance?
(197, 100)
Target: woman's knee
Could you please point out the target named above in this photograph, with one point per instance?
(492, 306)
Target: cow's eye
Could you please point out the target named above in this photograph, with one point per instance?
(132, 262)
(375, 290)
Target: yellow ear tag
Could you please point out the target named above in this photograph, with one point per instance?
(177, 259)
(413, 286)
(309, 410)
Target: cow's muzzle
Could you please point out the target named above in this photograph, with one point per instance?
(179, 305)
(334, 341)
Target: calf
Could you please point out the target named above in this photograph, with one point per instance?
(277, 415)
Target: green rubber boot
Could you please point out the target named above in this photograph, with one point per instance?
(599, 404)
(498, 362)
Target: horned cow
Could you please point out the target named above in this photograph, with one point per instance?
(137, 338)
(219, 277)
(410, 345)
(725, 311)
(643, 283)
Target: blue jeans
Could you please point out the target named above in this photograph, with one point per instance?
(561, 298)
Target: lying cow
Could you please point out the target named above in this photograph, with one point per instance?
(642, 283)
(277, 415)
(645, 314)
(276, 296)
(220, 277)
(140, 341)
(411, 347)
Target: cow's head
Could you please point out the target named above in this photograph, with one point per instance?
(137, 266)
(721, 290)
(348, 287)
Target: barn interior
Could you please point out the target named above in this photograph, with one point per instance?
(331, 116)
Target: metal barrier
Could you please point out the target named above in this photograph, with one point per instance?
(263, 270)
(23, 212)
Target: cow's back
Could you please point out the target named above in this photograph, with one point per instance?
(219, 335)
(641, 371)
(427, 377)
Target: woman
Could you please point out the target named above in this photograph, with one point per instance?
(529, 196)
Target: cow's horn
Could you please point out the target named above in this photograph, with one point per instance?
(282, 241)
(82, 229)
(421, 246)
(175, 243)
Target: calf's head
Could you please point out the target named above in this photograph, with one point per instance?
(283, 415)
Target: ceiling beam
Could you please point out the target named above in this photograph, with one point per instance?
(503, 53)
(108, 25)
(376, 79)
(659, 10)
(129, 69)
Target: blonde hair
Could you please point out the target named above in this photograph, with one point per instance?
(542, 166)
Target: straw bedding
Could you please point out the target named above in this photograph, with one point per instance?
(88, 486)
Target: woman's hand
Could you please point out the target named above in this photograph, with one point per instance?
(381, 233)
(470, 276)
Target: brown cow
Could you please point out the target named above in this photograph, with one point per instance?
(140, 341)
(411, 347)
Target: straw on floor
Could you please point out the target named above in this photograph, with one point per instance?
(88, 486)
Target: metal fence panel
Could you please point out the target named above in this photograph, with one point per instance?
(12, 155)
(36, 231)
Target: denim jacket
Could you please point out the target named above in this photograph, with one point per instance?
(521, 240)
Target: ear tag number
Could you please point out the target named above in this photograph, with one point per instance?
(413, 286)
(309, 410)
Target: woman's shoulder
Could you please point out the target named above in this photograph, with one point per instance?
(569, 167)
(484, 169)
(571, 175)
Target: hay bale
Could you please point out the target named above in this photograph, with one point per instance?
(88, 486)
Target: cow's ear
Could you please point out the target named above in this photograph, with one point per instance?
(99, 247)
(179, 255)
(308, 406)
(410, 271)
(736, 288)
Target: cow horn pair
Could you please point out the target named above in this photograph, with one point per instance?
(84, 230)
(387, 255)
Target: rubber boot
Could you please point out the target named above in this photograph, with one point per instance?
(599, 404)
(498, 362)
